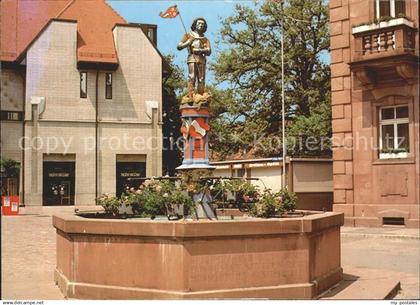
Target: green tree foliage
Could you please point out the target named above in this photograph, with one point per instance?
(172, 87)
(9, 168)
(251, 66)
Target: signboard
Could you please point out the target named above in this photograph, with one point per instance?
(263, 164)
(58, 175)
(222, 167)
(11, 115)
(130, 175)
(15, 207)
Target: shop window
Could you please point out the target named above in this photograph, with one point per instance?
(389, 8)
(83, 84)
(108, 86)
(393, 132)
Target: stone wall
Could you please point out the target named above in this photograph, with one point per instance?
(361, 180)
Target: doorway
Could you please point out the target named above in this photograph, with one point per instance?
(58, 183)
(125, 171)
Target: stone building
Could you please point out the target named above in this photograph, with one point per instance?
(81, 96)
(375, 109)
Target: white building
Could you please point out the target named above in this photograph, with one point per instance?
(81, 96)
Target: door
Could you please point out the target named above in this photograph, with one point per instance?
(128, 174)
(58, 183)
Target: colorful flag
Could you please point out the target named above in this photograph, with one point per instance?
(171, 12)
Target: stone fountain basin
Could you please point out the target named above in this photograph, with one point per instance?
(283, 258)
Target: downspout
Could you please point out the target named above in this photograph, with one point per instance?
(22, 200)
(96, 132)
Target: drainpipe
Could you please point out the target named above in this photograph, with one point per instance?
(96, 132)
(22, 199)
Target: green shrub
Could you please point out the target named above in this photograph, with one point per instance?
(158, 197)
(274, 204)
(178, 198)
(288, 200)
(9, 167)
(111, 204)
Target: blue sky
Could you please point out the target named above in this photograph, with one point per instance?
(170, 31)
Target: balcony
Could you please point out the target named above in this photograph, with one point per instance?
(385, 51)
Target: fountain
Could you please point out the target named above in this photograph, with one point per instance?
(202, 258)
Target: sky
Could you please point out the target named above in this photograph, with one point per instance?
(170, 31)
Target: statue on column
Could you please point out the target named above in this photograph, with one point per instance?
(198, 49)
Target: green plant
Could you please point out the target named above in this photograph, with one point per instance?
(383, 19)
(158, 197)
(111, 204)
(288, 200)
(9, 167)
(393, 150)
(268, 205)
(402, 15)
(272, 204)
(360, 24)
(177, 199)
(245, 192)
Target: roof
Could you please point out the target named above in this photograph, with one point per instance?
(22, 21)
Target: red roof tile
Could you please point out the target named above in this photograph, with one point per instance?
(22, 20)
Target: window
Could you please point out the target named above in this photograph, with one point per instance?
(83, 84)
(150, 34)
(393, 132)
(108, 86)
(240, 172)
(389, 8)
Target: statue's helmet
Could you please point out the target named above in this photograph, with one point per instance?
(194, 24)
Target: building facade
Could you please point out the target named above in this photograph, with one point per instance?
(375, 109)
(81, 97)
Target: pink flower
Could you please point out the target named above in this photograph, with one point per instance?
(147, 183)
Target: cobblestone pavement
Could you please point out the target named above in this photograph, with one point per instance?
(28, 258)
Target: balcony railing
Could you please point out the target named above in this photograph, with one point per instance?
(390, 38)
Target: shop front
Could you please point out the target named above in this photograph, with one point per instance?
(58, 183)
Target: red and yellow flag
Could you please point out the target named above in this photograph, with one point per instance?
(171, 12)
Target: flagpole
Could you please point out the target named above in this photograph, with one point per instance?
(283, 123)
(180, 18)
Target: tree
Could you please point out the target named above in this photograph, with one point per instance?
(251, 66)
(9, 168)
(172, 87)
